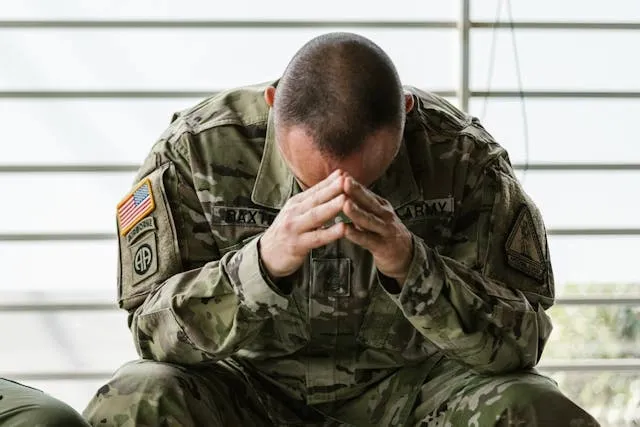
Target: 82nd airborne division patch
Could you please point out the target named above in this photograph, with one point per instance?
(524, 247)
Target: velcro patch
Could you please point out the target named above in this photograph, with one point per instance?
(135, 206)
(239, 215)
(145, 258)
(524, 248)
(420, 210)
(147, 224)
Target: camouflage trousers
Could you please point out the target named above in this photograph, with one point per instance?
(146, 393)
(22, 406)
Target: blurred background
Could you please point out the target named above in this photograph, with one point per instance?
(87, 87)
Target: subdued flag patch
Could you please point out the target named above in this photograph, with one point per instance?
(135, 206)
(524, 249)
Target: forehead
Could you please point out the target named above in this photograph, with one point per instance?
(311, 165)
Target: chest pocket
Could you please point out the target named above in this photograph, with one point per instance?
(384, 326)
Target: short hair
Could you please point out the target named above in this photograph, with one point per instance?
(341, 87)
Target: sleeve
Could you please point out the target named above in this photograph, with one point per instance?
(482, 299)
(187, 303)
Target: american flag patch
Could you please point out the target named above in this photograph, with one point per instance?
(135, 206)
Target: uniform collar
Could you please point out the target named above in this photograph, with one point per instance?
(275, 182)
(397, 185)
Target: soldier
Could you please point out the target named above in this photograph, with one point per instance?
(332, 249)
(22, 406)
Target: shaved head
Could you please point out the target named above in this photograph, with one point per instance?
(340, 88)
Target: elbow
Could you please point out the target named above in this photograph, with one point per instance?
(505, 366)
(515, 351)
(158, 336)
(508, 357)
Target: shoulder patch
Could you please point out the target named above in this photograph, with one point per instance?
(141, 228)
(523, 247)
(145, 258)
(135, 206)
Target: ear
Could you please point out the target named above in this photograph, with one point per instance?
(408, 102)
(270, 95)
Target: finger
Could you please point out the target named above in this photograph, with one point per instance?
(365, 198)
(319, 215)
(322, 236)
(310, 199)
(366, 239)
(325, 182)
(365, 220)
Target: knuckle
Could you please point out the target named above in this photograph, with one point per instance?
(294, 199)
(288, 208)
(287, 223)
(310, 199)
(376, 220)
(388, 213)
(314, 240)
(313, 216)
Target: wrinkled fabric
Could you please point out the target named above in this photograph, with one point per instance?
(148, 393)
(476, 293)
(455, 396)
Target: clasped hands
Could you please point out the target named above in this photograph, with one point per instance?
(301, 226)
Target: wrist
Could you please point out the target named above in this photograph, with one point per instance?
(403, 272)
(398, 278)
(264, 264)
(273, 281)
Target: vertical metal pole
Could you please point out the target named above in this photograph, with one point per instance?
(464, 25)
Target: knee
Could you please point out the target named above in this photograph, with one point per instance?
(526, 391)
(140, 392)
(144, 376)
(140, 380)
(540, 403)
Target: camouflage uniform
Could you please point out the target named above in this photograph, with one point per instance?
(336, 343)
(23, 406)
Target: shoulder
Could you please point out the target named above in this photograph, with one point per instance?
(234, 120)
(436, 112)
(242, 106)
(450, 133)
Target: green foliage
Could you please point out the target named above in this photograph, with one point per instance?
(595, 331)
(599, 332)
